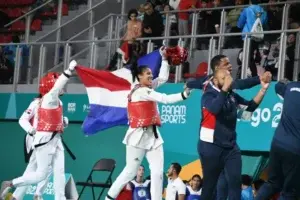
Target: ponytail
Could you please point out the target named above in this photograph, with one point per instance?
(136, 70)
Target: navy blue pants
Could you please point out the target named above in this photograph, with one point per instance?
(214, 160)
(284, 175)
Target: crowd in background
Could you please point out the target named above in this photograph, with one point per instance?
(149, 20)
(185, 189)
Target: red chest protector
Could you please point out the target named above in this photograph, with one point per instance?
(50, 120)
(142, 113)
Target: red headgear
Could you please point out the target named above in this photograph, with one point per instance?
(47, 82)
(176, 55)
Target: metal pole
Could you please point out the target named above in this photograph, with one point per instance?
(245, 60)
(27, 30)
(210, 56)
(91, 20)
(17, 68)
(194, 30)
(58, 32)
(282, 55)
(67, 54)
(110, 36)
(41, 62)
(167, 28)
(92, 63)
(30, 64)
(149, 47)
(123, 10)
(222, 30)
(297, 57)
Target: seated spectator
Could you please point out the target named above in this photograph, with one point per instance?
(176, 187)
(253, 19)
(193, 191)
(231, 26)
(152, 25)
(6, 69)
(247, 193)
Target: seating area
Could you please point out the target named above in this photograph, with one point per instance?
(17, 8)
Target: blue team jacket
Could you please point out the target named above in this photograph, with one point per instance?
(219, 115)
(287, 134)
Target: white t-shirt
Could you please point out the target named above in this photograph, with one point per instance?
(175, 187)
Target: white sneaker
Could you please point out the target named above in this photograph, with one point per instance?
(5, 188)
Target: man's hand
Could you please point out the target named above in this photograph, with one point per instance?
(72, 65)
(163, 52)
(227, 83)
(264, 85)
(65, 121)
(266, 77)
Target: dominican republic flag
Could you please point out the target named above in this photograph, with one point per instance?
(107, 92)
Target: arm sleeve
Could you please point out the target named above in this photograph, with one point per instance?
(28, 114)
(280, 89)
(245, 108)
(181, 188)
(151, 95)
(242, 19)
(214, 102)
(51, 99)
(242, 84)
(163, 75)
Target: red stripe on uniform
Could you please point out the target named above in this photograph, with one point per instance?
(208, 120)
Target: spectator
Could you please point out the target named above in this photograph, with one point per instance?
(6, 69)
(247, 193)
(274, 14)
(231, 26)
(290, 57)
(251, 20)
(183, 18)
(141, 12)
(172, 19)
(193, 191)
(176, 187)
(203, 23)
(134, 27)
(139, 186)
(152, 24)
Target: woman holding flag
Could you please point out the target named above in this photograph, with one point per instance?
(143, 138)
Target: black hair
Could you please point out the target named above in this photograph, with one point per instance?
(215, 61)
(177, 167)
(16, 39)
(137, 70)
(258, 183)
(246, 180)
(198, 176)
(39, 96)
(132, 11)
(255, 2)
